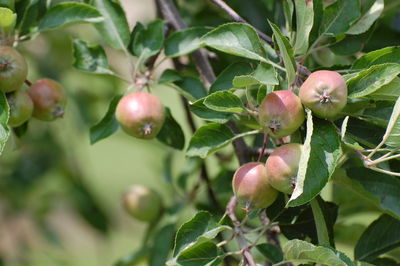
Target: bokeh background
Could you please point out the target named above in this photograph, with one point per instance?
(60, 196)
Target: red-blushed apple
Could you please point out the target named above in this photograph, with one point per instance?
(13, 69)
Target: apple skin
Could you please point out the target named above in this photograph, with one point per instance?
(251, 186)
(21, 107)
(325, 93)
(281, 113)
(13, 69)
(142, 203)
(282, 166)
(140, 115)
(48, 98)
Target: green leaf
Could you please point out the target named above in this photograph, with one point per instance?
(264, 74)
(149, 40)
(338, 17)
(67, 13)
(169, 76)
(388, 92)
(318, 17)
(29, 16)
(90, 58)
(202, 111)
(271, 252)
(171, 132)
(184, 42)
(4, 116)
(352, 44)
(190, 87)
(114, 29)
(370, 80)
(108, 125)
(393, 129)
(224, 101)
(237, 39)
(381, 236)
(224, 81)
(162, 243)
(8, 19)
(385, 55)
(366, 21)
(304, 22)
(320, 155)
(133, 258)
(306, 252)
(287, 53)
(288, 9)
(198, 255)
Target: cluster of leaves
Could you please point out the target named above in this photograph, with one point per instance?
(357, 152)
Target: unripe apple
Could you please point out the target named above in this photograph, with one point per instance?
(251, 187)
(140, 114)
(13, 69)
(325, 93)
(21, 107)
(281, 113)
(48, 99)
(282, 166)
(142, 203)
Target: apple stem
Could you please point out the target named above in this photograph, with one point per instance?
(263, 147)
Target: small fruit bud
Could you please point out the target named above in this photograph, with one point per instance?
(281, 113)
(282, 166)
(13, 69)
(251, 187)
(21, 107)
(142, 203)
(140, 114)
(48, 98)
(324, 93)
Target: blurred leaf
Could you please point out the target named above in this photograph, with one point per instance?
(287, 53)
(264, 74)
(67, 13)
(184, 42)
(108, 125)
(304, 251)
(393, 129)
(133, 258)
(8, 4)
(21, 130)
(319, 157)
(288, 9)
(318, 17)
(304, 23)
(191, 88)
(148, 41)
(364, 132)
(171, 133)
(162, 243)
(4, 116)
(366, 21)
(114, 29)
(202, 111)
(352, 44)
(29, 14)
(370, 80)
(388, 92)
(381, 236)
(169, 76)
(199, 254)
(338, 17)
(381, 56)
(236, 39)
(271, 252)
(90, 58)
(224, 101)
(8, 20)
(225, 79)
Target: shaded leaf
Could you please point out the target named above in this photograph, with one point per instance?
(224, 81)
(381, 56)
(366, 21)
(162, 243)
(171, 132)
(148, 41)
(90, 58)
(4, 116)
(184, 42)
(202, 111)
(271, 252)
(198, 255)
(388, 92)
(393, 129)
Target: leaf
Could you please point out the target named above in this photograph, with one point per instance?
(287, 53)
(133, 258)
(169, 76)
(381, 236)
(393, 129)
(366, 21)
(264, 74)
(271, 252)
(108, 125)
(202, 111)
(352, 44)
(388, 92)
(149, 41)
(114, 29)
(306, 252)
(224, 101)
(4, 116)
(191, 88)
(370, 80)
(304, 22)
(237, 39)
(184, 42)
(162, 243)
(224, 81)
(288, 9)
(320, 155)
(198, 255)
(385, 55)
(171, 132)
(90, 58)
(29, 16)
(67, 13)
(8, 19)
(338, 17)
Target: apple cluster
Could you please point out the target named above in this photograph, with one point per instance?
(44, 99)
(280, 114)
